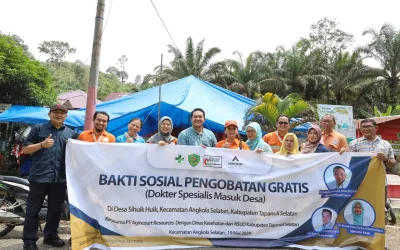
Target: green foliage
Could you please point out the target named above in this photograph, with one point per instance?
(385, 48)
(377, 113)
(194, 62)
(271, 106)
(23, 80)
(55, 50)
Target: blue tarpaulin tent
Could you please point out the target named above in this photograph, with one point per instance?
(178, 99)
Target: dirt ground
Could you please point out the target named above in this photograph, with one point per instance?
(13, 240)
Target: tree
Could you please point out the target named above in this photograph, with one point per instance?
(346, 72)
(193, 62)
(123, 75)
(245, 77)
(55, 50)
(271, 106)
(327, 37)
(385, 48)
(295, 71)
(23, 81)
(138, 79)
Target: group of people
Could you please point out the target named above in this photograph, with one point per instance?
(46, 143)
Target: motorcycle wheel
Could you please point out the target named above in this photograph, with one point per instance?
(390, 217)
(5, 228)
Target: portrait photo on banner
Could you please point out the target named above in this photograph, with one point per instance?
(359, 212)
(337, 176)
(323, 219)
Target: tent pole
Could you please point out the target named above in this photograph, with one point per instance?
(159, 94)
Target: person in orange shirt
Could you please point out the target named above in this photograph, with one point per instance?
(233, 140)
(330, 138)
(275, 139)
(98, 133)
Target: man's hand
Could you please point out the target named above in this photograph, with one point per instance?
(381, 156)
(48, 143)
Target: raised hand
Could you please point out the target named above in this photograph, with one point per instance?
(48, 143)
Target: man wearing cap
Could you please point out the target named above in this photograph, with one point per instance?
(197, 135)
(46, 142)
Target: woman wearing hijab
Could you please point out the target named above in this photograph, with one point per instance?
(357, 216)
(313, 144)
(134, 127)
(232, 138)
(255, 141)
(290, 145)
(163, 137)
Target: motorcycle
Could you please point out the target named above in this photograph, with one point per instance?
(390, 217)
(13, 200)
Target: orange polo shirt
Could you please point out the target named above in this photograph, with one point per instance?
(334, 140)
(274, 140)
(103, 137)
(234, 145)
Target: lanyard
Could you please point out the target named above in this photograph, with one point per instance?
(94, 138)
(276, 132)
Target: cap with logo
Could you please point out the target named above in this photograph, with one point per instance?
(231, 122)
(59, 107)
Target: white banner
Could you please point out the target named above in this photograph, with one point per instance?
(145, 190)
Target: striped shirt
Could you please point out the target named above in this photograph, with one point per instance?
(191, 137)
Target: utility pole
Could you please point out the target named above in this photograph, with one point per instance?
(159, 94)
(94, 66)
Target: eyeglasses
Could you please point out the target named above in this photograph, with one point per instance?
(134, 125)
(231, 128)
(367, 127)
(283, 123)
(250, 131)
(326, 121)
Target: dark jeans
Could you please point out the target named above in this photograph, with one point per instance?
(55, 197)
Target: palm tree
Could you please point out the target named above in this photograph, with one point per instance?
(271, 106)
(295, 71)
(346, 73)
(385, 48)
(245, 77)
(193, 62)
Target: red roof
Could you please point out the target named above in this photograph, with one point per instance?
(74, 99)
(115, 95)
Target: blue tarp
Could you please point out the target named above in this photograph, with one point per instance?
(178, 99)
(35, 115)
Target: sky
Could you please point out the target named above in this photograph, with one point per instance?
(134, 29)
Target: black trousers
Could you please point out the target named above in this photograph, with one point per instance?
(55, 197)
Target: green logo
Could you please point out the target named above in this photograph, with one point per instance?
(194, 160)
(179, 159)
(398, 135)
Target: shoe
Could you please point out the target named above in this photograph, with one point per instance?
(30, 247)
(54, 241)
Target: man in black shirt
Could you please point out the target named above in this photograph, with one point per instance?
(47, 143)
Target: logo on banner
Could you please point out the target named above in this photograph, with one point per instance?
(194, 160)
(179, 159)
(235, 163)
(212, 161)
